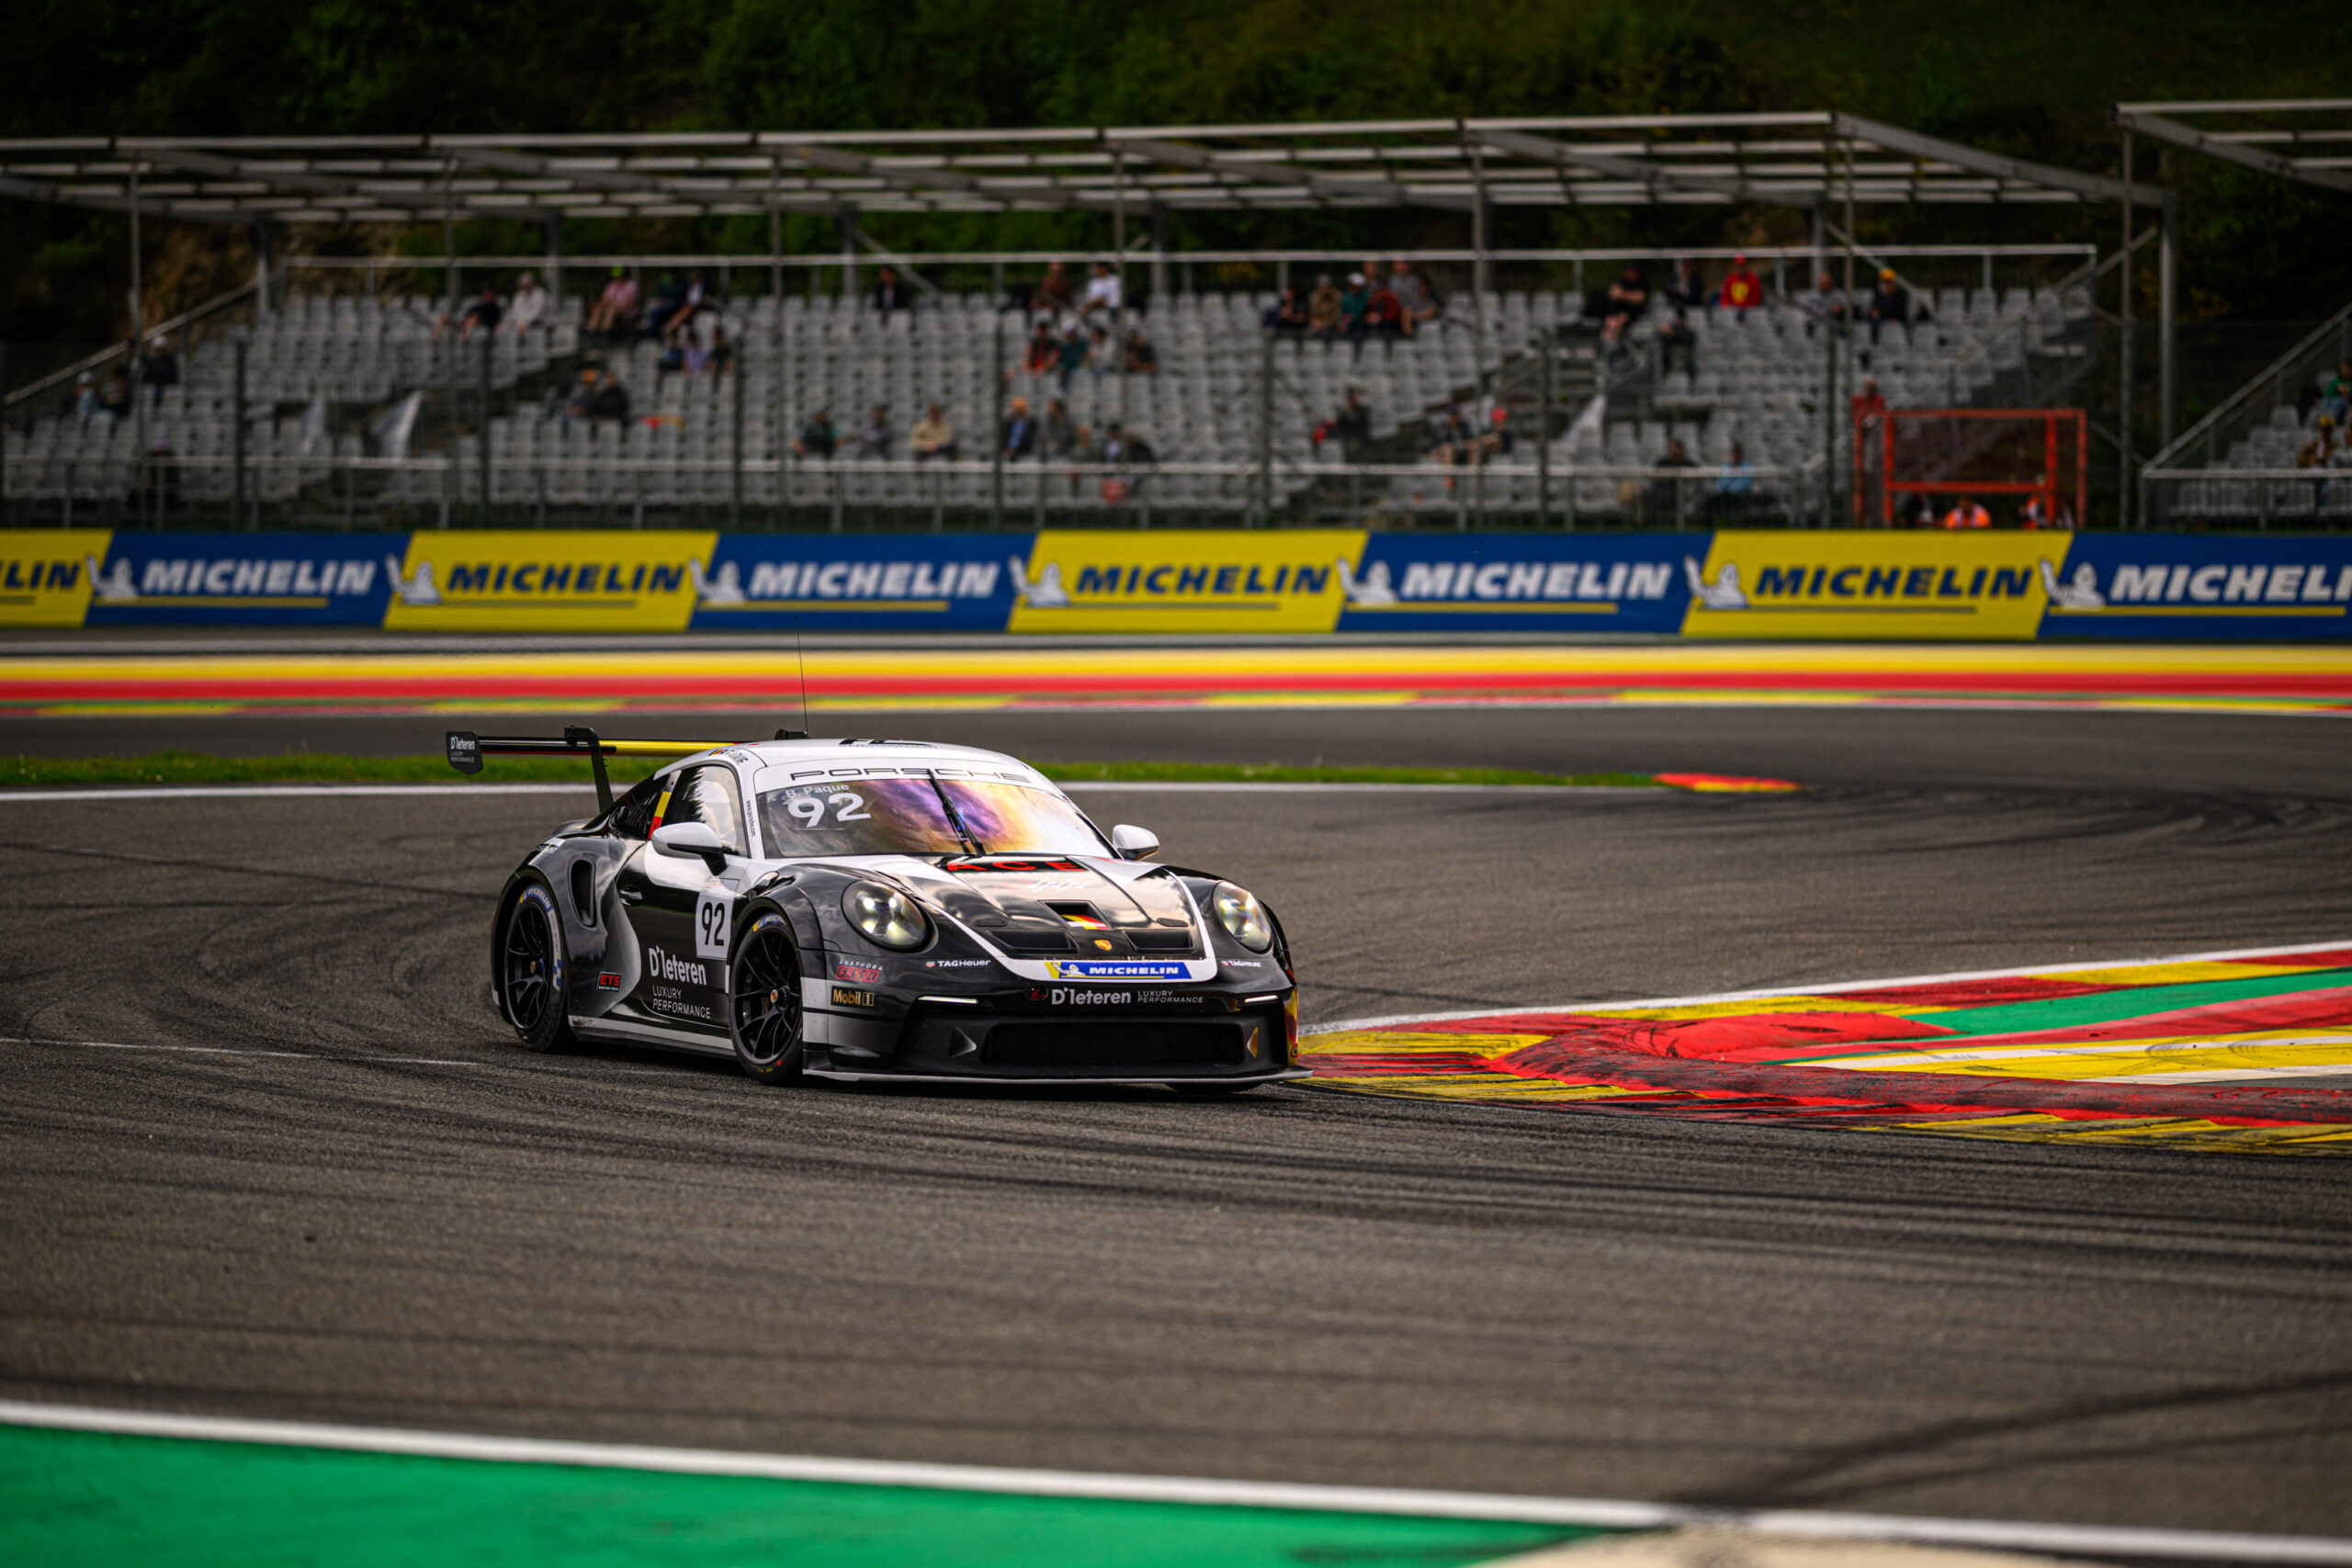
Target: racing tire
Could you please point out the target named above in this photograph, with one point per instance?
(763, 1017)
(533, 969)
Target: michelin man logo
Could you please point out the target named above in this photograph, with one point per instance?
(415, 589)
(1046, 591)
(2080, 594)
(1724, 594)
(114, 590)
(727, 588)
(1370, 590)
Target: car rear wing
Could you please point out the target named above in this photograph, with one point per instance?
(467, 750)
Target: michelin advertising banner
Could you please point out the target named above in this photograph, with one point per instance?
(1759, 585)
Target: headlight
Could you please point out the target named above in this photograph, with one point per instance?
(1238, 911)
(886, 916)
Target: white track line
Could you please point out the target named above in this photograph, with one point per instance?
(327, 1057)
(1825, 987)
(263, 791)
(214, 792)
(2204, 1545)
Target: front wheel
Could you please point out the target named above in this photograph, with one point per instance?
(531, 971)
(764, 1002)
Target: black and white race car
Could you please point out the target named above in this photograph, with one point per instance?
(882, 910)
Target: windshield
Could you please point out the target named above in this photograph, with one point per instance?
(921, 817)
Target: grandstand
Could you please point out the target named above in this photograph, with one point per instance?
(342, 384)
(355, 412)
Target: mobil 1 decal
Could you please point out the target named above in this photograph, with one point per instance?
(251, 578)
(883, 582)
(2199, 586)
(1614, 582)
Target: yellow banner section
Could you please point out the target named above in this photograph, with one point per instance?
(45, 574)
(1945, 586)
(1280, 581)
(495, 581)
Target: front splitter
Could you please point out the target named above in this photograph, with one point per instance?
(842, 1074)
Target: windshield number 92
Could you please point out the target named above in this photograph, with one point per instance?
(808, 810)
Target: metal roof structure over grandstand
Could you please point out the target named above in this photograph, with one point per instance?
(2308, 140)
(1808, 160)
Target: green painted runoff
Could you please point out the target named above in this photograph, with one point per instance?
(101, 1499)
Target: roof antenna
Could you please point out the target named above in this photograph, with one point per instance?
(801, 659)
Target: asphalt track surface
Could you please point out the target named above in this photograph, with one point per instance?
(406, 1220)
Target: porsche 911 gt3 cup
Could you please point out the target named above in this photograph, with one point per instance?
(882, 909)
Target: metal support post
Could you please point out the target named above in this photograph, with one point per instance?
(735, 496)
(996, 431)
(481, 507)
(2123, 386)
(1265, 429)
(1828, 360)
(449, 231)
(2167, 319)
(4, 439)
(1159, 251)
(237, 515)
(264, 263)
(1853, 329)
(138, 347)
(1482, 420)
(849, 256)
(555, 259)
(1119, 263)
(1544, 411)
(780, 415)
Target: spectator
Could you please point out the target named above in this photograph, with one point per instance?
(1059, 433)
(1678, 337)
(671, 306)
(1626, 299)
(1127, 453)
(528, 309)
(1919, 512)
(484, 312)
(1102, 292)
(1043, 350)
(1451, 431)
(1417, 301)
(160, 369)
(2335, 392)
(614, 312)
(933, 436)
(1141, 358)
(1665, 501)
(1288, 316)
(611, 399)
(1355, 307)
(1967, 514)
(890, 294)
(1497, 441)
(1053, 294)
(1734, 487)
(1352, 425)
(116, 404)
(1868, 403)
(82, 404)
(1742, 291)
(1383, 311)
(1020, 433)
(1683, 290)
(1323, 310)
(874, 442)
(1825, 306)
(817, 437)
(1070, 356)
(720, 358)
(1098, 358)
(1890, 301)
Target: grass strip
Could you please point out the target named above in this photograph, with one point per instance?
(328, 767)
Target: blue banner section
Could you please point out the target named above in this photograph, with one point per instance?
(2201, 587)
(244, 579)
(1570, 583)
(866, 581)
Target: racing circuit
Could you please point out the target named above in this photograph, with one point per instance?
(273, 1154)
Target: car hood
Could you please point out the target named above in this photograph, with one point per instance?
(1044, 904)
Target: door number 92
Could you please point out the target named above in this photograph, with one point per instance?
(711, 922)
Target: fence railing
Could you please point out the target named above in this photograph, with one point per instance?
(2167, 489)
(457, 488)
(2303, 500)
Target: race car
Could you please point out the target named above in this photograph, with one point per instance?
(859, 911)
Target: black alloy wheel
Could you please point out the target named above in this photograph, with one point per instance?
(764, 1002)
(532, 972)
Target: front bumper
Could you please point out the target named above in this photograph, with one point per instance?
(1025, 1038)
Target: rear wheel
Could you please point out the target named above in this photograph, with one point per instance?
(764, 1002)
(532, 971)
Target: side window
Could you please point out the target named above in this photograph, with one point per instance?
(633, 813)
(710, 795)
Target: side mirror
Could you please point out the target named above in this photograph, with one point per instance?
(688, 840)
(1134, 844)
